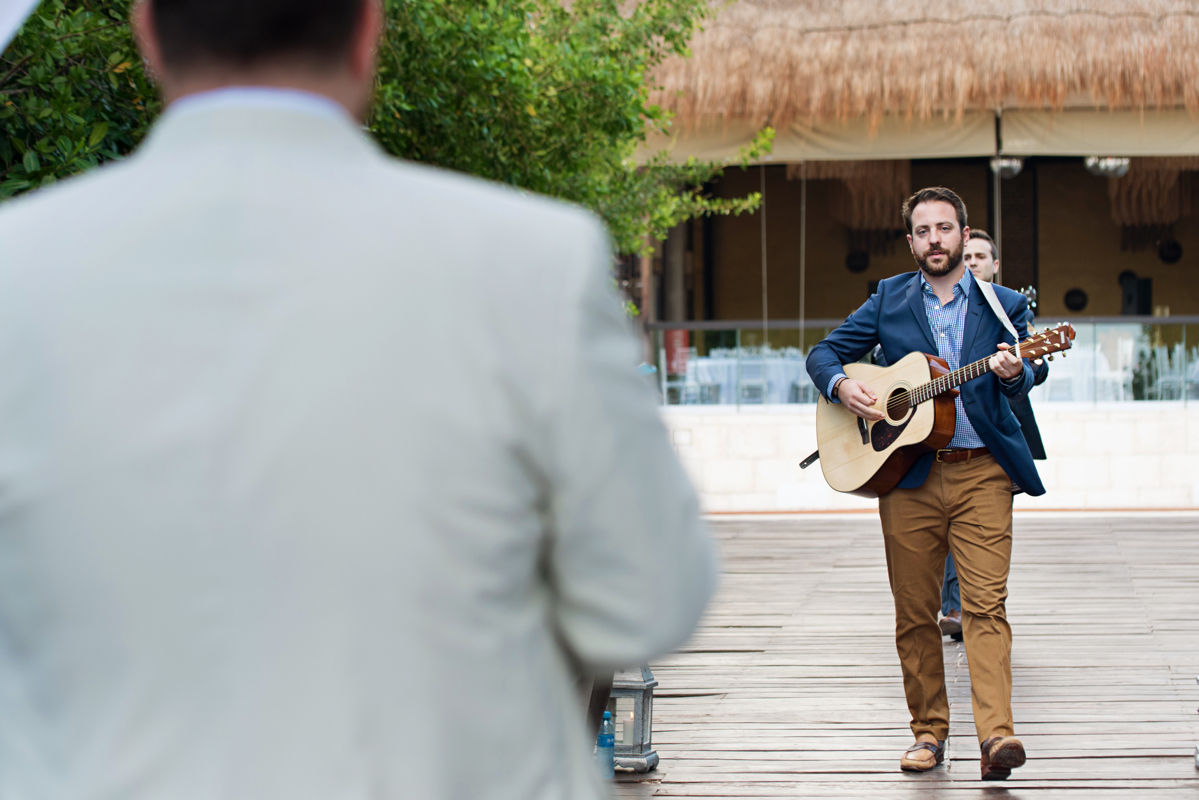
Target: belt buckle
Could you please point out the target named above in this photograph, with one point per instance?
(938, 456)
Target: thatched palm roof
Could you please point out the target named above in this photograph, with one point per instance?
(782, 60)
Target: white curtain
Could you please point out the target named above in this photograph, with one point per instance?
(852, 140)
(1072, 132)
(1088, 132)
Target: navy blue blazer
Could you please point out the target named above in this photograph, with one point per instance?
(895, 318)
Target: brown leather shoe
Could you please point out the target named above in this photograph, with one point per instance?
(922, 756)
(951, 624)
(1001, 755)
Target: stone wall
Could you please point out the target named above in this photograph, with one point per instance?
(1101, 456)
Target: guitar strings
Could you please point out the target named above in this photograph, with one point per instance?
(898, 404)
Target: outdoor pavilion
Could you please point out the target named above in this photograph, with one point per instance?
(871, 98)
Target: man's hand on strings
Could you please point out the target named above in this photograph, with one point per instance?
(857, 397)
(1005, 364)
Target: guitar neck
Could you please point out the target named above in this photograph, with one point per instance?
(952, 380)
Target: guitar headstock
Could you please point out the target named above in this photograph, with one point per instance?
(1048, 341)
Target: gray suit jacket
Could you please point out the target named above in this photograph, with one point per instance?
(317, 469)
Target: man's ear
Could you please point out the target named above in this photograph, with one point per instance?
(366, 38)
(910, 247)
(965, 234)
(141, 19)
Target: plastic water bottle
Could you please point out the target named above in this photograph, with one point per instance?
(605, 747)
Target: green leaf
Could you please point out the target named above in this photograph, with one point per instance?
(98, 134)
(11, 187)
(548, 96)
(63, 61)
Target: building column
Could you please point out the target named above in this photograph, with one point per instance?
(674, 276)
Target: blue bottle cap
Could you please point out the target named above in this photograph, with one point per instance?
(607, 715)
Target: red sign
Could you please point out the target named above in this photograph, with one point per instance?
(678, 344)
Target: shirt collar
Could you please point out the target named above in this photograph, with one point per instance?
(962, 286)
(269, 97)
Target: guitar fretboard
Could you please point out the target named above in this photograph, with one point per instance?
(1035, 347)
(951, 381)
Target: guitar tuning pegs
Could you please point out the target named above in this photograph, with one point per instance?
(1049, 357)
(1039, 361)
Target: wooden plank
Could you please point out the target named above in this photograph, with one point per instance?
(791, 687)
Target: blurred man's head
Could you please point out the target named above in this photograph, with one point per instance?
(982, 257)
(325, 46)
(936, 223)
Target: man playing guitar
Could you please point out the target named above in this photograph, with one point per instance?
(959, 499)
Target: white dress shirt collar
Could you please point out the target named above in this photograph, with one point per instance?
(269, 97)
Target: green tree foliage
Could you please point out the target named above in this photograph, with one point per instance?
(73, 93)
(546, 95)
(550, 96)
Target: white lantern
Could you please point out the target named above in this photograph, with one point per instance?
(632, 706)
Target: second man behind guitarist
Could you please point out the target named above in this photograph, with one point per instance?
(982, 258)
(957, 500)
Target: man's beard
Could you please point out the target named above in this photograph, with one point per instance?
(953, 258)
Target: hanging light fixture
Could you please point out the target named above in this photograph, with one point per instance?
(1107, 166)
(1007, 167)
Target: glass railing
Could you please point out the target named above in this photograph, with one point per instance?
(1114, 359)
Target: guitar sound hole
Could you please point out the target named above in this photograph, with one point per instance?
(898, 404)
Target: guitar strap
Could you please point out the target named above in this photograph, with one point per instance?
(989, 292)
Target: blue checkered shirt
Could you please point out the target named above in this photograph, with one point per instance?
(948, 324)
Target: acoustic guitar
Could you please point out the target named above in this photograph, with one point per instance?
(916, 394)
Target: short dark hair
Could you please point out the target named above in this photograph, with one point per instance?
(986, 237)
(934, 194)
(247, 32)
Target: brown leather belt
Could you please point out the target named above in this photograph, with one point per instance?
(962, 454)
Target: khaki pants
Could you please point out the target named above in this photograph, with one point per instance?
(963, 508)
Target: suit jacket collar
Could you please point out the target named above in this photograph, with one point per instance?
(261, 97)
(916, 303)
(221, 124)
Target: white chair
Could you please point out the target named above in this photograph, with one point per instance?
(1113, 384)
(682, 392)
(751, 381)
(802, 392)
(1169, 379)
(1059, 388)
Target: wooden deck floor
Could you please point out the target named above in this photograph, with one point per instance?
(792, 686)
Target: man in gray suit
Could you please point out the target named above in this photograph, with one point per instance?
(321, 474)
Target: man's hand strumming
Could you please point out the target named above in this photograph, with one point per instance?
(858, 398)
